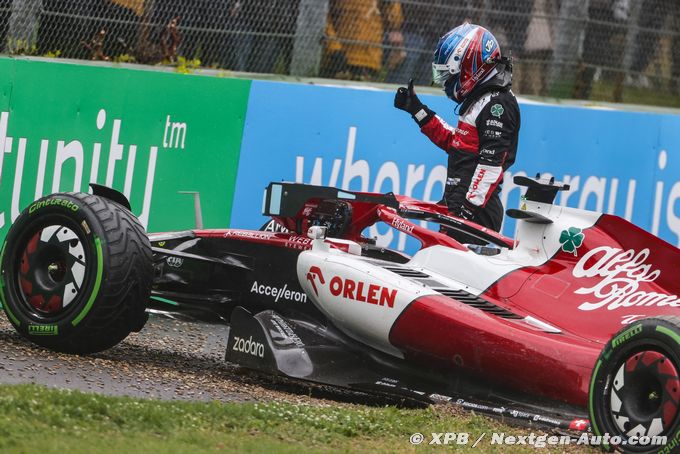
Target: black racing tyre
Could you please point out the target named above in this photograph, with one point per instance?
(76, 273)
(635, 388)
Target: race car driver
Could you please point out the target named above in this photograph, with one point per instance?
(468, 64)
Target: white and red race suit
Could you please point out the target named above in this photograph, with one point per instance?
(480, 148)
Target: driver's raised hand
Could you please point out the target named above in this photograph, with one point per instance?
(406, 99)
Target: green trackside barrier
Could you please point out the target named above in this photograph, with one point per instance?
(150, 134)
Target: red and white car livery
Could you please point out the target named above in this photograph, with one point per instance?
(570, 282)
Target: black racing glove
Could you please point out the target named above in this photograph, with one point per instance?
(406, 99)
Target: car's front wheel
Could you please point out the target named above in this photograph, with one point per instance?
(76, 273)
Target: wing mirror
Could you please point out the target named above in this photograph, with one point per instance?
(317, 232)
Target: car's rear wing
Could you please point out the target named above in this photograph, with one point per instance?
(289, 199)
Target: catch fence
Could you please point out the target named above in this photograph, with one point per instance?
(613, 50)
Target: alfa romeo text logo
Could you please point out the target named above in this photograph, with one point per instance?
(620, 273)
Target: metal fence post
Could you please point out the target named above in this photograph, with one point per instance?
(198, 213)
(632, 35)
(568, 39)
(485, 15)
(631, 46)
(22, 33)
(309, 33)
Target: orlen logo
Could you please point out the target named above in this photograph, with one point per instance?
(480, 177)
(353, 290)
(360, 291)
(462, 47)
(248, 346)
(312, 274)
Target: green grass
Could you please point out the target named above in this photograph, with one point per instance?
(658, 95)
(35, 419)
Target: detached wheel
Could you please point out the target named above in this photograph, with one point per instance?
(76, 273)
(635, 387)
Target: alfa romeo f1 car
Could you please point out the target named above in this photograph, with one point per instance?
(573, 323)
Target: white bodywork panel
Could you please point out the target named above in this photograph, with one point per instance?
(370, 323)
(366, 322)
(535, 245)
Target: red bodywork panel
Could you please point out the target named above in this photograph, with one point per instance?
(436, 328)
(621, 274)
(426, 237)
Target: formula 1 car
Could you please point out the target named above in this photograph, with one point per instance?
(579, 311)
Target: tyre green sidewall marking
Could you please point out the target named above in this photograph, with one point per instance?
(2, 291)
(97, 283)
(593, 425)
(673, 335)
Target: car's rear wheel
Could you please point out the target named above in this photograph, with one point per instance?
(76, 273)
(635, 387)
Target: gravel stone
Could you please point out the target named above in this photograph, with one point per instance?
(168, 359)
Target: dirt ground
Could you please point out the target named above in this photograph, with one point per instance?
(167, 360)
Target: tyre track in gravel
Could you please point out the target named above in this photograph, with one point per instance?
(168, 360)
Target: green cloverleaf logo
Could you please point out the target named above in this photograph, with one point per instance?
(497, 110)
(571, 239)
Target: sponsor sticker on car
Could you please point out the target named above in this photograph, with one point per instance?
(621, 274)
(278, 293)
(248, 346)
(364, 292)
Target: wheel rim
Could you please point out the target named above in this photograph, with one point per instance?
(645, 394)
(52, 268)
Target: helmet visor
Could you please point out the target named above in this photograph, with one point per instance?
(440, 73)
